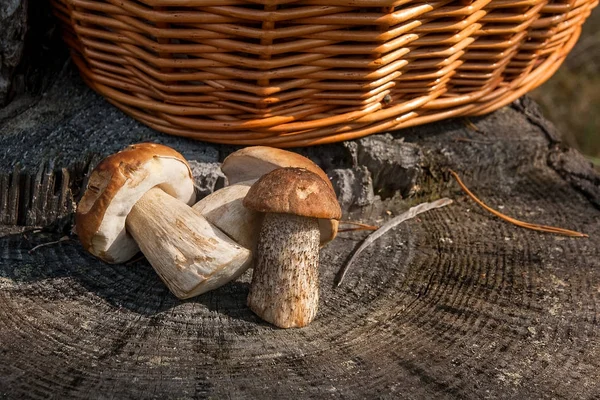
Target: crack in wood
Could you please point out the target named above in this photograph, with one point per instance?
(46, 197)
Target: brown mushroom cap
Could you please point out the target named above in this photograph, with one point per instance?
(248, 164)
(253, 162)
(293, 191)
(114, 187)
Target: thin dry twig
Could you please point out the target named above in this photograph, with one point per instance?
(62, 239)
(527, 225)
(468, 140)
(411, 213)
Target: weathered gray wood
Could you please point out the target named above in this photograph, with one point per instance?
(13, 26)
(453, 304)
(70, 128)
(13, 196)
(4, 189)
(31, 51)
(32, 200)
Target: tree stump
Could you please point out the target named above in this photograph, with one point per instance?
(453, 304)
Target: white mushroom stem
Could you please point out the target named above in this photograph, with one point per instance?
(285, 283)
(189, 254)
(225, 210)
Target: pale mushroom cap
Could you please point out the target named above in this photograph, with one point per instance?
(293, 191)
(251, 163)
(116, 184)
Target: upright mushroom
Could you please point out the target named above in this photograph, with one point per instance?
(224, 208)
(284, 289)
(140, 198)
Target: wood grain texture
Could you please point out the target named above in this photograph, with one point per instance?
(453, 304)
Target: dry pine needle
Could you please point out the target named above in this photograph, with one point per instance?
(522, 224)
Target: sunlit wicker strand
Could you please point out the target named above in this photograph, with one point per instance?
(305, 72)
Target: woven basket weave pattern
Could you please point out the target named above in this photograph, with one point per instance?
(303, 72)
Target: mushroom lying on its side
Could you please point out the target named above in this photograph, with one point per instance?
(284, 289)
(139, 199)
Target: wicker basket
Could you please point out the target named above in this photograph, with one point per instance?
(304, 72)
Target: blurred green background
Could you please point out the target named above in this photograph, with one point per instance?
(571, 98)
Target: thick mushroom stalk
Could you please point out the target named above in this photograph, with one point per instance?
(285, 283)
(188, 253)
(224, 209)
(284, 288)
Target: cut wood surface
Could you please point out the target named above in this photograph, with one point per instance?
(452, 304)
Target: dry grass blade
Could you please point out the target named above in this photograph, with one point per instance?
(411, 213)
(527, 225)
(358, 227)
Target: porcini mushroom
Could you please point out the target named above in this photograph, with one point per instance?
(284, 289)
(247, 165)
(140, 198)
